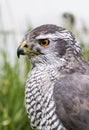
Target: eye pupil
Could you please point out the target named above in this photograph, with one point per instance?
(44, 42)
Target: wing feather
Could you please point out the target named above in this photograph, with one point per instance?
(71, 95)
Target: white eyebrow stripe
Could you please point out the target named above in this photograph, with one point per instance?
(44, 36)
(62, 35)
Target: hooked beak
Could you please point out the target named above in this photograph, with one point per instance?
(24, 49)
(21, 49)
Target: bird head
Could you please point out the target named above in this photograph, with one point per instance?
(48, 43)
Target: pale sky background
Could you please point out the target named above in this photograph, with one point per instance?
(17, 14)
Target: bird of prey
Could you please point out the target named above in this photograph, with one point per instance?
(57, 88)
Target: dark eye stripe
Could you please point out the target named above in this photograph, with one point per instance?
(32, 46)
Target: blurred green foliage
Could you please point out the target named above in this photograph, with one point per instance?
(13, 114)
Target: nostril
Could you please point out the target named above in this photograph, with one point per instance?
(25, 45)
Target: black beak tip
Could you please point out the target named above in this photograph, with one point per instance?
(18, 55)
(20, 51)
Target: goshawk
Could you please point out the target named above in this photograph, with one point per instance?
(57, 88)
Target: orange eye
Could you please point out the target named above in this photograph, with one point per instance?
(44, 42)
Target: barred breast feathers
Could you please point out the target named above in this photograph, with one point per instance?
(39, 98)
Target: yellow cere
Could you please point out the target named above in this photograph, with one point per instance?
(23, 44)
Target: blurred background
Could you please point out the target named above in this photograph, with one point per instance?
(16, 18)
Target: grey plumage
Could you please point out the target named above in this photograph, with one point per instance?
(71, 94)
(57, 87)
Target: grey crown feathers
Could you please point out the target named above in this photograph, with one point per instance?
(57, 87)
